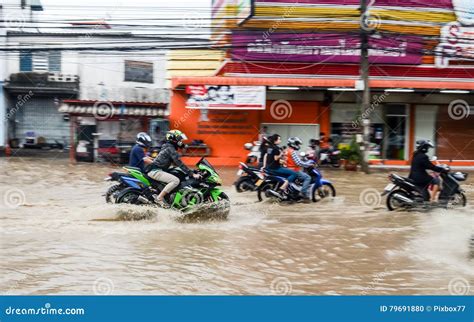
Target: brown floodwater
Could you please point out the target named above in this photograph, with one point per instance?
(58, 236)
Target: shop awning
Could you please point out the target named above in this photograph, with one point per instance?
(320, 82)
(90, 108)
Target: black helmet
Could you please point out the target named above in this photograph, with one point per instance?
(423, 145)
(176, 138)
(143, 140)
(295, 143)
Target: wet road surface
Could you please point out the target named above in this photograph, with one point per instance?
(58, 236)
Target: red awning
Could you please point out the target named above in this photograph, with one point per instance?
(319, 82)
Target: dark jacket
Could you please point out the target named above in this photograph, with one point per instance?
(419, 166)
(168, 156)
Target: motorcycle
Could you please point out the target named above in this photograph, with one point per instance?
(250, 178)
(402, 193)
(141, 189)
(112, 192)
(331, 157)
(254, 155)
(320, 187)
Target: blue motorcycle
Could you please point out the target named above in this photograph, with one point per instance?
(320, 187)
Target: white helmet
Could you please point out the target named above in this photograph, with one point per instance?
(295, 142)
(143, 140)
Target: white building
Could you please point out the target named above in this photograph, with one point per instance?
(53, 78)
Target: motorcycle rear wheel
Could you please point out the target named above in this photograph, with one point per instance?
(130, 197)
(392, 203)
(111, 191)
(262, 191)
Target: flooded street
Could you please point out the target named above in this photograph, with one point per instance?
(63, 239)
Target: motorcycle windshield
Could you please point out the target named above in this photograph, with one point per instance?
(205, 163)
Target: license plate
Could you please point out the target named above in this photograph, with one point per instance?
(239, 173)
(389, 187)
(259, 182)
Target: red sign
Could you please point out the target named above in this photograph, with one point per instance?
(196, 90)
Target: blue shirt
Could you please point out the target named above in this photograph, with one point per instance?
(136, 157)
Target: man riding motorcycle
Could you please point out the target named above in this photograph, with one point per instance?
(138, 157)
(295, 163)
(169, 156)
(419, 166)
(273, 163)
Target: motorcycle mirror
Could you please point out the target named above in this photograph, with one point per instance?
(434, 158)
(302, 154)
(248, 146)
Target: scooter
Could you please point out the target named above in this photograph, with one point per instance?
(320, 187)
(250, 178)
(403, 194)
(330, 157)
(254, 155)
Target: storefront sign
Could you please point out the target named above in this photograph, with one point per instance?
(464, 10)
(457, 43)
(392, 3)
(330, 48)
(226, 97)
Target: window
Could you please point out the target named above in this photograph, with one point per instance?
(40, 61)
(138, 71)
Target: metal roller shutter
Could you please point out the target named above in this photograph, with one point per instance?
(41, 116)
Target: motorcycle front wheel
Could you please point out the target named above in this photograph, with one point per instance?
(244, 184)
(457, 200)
(326, 190)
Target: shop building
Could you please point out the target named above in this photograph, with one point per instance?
(310, 74)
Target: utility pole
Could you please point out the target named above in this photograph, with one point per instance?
(364, 74)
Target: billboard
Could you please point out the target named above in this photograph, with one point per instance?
(324, 47)
(226, 97)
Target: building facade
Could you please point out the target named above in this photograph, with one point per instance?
(59, 94)
(305, 54)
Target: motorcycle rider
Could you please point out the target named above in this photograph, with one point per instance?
(295, 163)
(419, 166)
(273, 160)
(169, 156)
(138, 157)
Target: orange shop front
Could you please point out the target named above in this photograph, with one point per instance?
(225, 131)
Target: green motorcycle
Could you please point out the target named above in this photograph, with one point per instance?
(138, 188)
